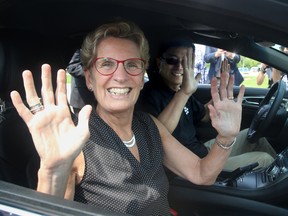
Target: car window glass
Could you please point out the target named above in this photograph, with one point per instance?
(250, 69)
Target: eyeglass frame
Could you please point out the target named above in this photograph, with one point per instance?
(119, 61)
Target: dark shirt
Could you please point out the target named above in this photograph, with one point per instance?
(156, 95)
(114, 179)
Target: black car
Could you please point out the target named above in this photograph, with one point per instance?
(33, 32)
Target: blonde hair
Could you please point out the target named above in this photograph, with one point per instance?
(122, 29)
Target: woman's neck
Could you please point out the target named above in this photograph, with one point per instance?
(120, 122)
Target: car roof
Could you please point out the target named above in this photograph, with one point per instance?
(202, 15)
(221, 23)
(211, 16)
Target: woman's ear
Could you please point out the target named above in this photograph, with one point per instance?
(143, 80)
(88, 80)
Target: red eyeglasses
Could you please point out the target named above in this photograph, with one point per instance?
(107, 66)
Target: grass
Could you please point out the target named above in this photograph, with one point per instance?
(250, 81)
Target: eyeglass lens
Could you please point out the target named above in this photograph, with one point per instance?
(108, 66)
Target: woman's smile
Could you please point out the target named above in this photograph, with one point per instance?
(119, 91)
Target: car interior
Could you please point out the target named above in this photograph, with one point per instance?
(49, 31)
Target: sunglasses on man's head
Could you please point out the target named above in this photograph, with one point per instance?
(171, 60)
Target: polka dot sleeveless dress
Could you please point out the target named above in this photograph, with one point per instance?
(114, 179)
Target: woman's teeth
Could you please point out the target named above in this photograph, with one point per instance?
(119, 91)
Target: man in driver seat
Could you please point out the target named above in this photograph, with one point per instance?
(168, 95)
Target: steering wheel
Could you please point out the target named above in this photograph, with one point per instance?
(266, 112)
